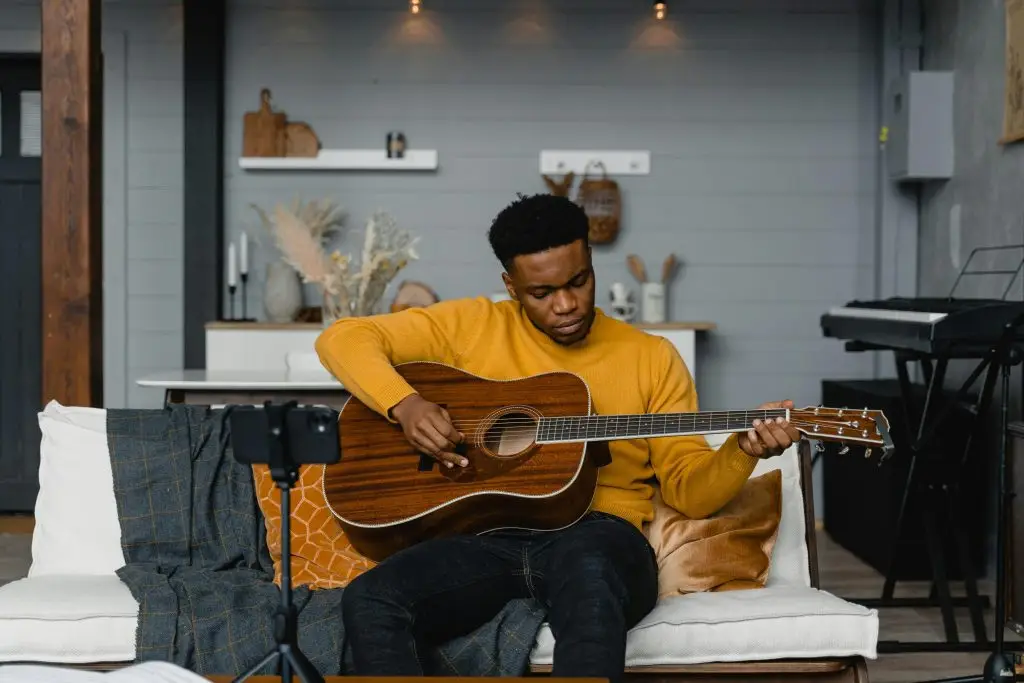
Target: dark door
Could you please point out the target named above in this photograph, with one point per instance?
(20, 281)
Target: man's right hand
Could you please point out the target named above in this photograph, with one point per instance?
(429, 429)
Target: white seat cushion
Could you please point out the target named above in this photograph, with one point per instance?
(748, 625)
(70, 619)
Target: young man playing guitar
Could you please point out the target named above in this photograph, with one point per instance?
(598, 577)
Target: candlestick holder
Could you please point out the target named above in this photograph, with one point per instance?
(231, 300)
(245, 299)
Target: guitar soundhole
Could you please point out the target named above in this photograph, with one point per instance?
(510, 434)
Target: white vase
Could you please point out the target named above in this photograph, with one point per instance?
(282, 293)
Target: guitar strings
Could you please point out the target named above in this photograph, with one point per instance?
(711, 416)
(535, 430)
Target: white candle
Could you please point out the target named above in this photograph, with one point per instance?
(244, 266)
(231, 265)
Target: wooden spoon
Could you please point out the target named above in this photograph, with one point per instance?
(668, 268)
(636, 267)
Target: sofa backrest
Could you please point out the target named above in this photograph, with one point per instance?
(77, 529)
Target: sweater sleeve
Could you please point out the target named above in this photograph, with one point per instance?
(361, 352)
(695, 479)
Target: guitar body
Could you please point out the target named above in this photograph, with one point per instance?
(387, 497)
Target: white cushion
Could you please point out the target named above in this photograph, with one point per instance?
(746, 625)
(76, 525)
(67, 620)
(144, 672)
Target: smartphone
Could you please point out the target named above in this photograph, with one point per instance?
(309, 435)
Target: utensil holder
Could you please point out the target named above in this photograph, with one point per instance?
(652, 302)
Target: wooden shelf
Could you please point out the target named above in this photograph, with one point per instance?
(261, 325)
(699, 325)
(346, 160)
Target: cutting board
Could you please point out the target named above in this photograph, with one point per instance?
(263, 131)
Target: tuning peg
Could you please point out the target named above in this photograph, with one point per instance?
(844, 450)
(867, 452)
(819, 447)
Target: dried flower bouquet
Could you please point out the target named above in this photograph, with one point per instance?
(302, 231)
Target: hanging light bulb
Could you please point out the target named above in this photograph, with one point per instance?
(659, 9)
(414, 6)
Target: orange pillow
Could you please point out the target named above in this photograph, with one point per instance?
(322, 556)
(731, 550)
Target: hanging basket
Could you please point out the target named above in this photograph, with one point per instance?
(601, 201)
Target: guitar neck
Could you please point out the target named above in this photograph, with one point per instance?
(649, 425)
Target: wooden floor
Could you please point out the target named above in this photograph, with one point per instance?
(841, 574)
(846, 576)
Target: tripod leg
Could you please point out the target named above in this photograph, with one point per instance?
(304, 669)
(270, 656)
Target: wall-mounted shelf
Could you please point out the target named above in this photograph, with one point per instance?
(616, 162)
(346, 160)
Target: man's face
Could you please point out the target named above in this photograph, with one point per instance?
(556, 288)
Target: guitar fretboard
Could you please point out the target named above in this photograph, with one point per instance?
(602, 427)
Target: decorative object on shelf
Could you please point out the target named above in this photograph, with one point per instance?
(652, 308)
(601, 200)
(652, 293)
(244, 276)
(637, 268)
(559, 188)
(396, 145)
(301, 140)
(235, 273)
(282, 294)
(301, 233)
(622, 305)
(266, 133)
(412, 294)
(232, 280)
(263, 131)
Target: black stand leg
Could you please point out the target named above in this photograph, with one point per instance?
(286, 620)
(999, 667)
(935, 480)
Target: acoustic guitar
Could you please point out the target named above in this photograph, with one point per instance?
(534, 448)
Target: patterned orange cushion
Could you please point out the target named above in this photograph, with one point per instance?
(322, 556)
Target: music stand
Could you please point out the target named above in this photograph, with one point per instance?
(268, 435)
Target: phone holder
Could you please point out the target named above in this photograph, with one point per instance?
(271, 435)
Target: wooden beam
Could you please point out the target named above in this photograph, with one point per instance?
(72, 166)
(203, 70)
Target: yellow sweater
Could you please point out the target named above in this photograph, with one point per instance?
(627, 370)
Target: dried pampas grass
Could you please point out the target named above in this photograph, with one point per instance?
(300, 232)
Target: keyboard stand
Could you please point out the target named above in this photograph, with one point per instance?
(935, 480)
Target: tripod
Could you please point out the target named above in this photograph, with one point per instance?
(999, 666)
(285, 472)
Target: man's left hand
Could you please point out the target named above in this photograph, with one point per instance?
(769, 438)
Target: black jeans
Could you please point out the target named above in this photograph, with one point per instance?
(598, 578)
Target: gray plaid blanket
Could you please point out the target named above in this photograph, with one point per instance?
(198, 563)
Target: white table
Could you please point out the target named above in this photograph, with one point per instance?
(223, 387)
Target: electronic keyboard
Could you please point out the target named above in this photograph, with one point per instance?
(929, 325)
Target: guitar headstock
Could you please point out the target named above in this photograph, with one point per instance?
(859, 426)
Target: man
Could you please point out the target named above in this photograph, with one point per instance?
(598, 578)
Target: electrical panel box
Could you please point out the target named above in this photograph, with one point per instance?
(919, 116)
